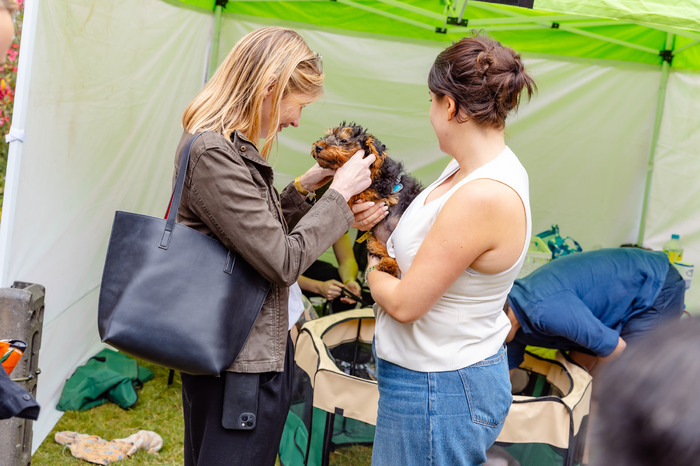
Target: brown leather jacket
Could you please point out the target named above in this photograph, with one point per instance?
(229, 194)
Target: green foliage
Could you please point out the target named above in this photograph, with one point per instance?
(8, 79)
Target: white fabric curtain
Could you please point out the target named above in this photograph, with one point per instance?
(107, 89)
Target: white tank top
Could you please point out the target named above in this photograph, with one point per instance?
(467, 324)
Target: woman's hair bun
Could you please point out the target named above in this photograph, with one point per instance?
(484, 78)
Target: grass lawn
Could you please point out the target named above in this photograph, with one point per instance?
(159, 409)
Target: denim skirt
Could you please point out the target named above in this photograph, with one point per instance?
(440, 418)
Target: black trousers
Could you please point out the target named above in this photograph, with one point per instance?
(207, 443)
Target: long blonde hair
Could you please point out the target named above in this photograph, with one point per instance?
(232, 99)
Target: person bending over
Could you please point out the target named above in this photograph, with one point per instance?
(593, 303)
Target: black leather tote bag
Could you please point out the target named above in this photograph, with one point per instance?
(173, 296)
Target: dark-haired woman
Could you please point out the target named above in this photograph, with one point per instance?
(444, 390)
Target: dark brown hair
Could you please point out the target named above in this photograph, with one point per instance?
(484, 78)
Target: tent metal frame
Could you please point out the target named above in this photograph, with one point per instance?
(660, 103)
(16, 144)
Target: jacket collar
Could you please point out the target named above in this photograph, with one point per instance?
(249, 151)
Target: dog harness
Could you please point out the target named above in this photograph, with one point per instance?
(398, 186)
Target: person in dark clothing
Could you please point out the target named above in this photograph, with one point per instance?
(328, 281)
(15, 400)
(593, 303)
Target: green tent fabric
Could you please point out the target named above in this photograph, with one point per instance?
(626, 30)
(107, 376)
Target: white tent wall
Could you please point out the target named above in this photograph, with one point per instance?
(108, 84)
(674, 205)
(584, 137)
(110, 81)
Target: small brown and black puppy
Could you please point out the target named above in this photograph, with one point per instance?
(390, 183)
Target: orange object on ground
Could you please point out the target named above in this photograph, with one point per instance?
(10, 353)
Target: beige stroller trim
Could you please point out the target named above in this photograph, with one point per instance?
(333, 389)
(549, 419)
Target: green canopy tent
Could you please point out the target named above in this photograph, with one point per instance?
(653, 32)
(608, 141)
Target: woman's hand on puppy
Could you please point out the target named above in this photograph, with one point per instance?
(368, 214)
(354, 176)
(372, 260)
(315, 177)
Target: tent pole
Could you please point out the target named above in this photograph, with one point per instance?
(16, 137)
(216, 34)
(663, 84)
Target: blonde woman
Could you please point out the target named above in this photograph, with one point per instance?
(269, 76)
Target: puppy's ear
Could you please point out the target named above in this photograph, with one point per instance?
(375, 146)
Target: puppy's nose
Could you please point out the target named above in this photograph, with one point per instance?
(319, 149)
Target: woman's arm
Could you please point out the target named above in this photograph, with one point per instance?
(233, 202)
(347, 265)
(482, 225)
(225, 196)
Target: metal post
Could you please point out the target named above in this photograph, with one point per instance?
(16, 140)
(21, 318)
(214, 51)
(663, 84)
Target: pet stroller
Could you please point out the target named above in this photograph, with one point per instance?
(335, 399)
(335, 390)
(547, 422)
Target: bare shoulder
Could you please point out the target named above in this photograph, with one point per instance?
(492, 217)
(486, 198)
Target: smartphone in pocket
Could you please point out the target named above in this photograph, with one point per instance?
(240, 401)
